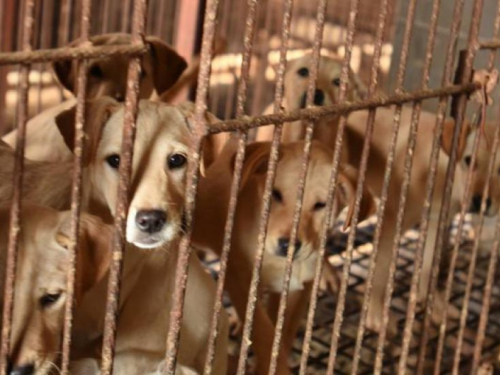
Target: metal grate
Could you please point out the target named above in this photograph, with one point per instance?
(348, 347)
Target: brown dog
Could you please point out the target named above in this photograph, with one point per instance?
(155, 222)
(40, 284)
(416, 194)
(161, 68)
(211, 211)
(326, 94)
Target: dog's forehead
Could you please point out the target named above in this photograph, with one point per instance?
(327, 65)
(157, 123)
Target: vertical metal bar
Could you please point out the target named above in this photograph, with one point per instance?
(410, 17)
(76, 192)
(235, 183)
(176, 313)
(119, 243)
(314, 67)
(473, 36)
(339, 312)
(443, 218)
(15, 220)
(351, 26)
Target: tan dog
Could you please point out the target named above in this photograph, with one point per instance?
(40, 284)
(212, 205)
(161, 68)
(326, 94)
(155, 221)
(416, 195)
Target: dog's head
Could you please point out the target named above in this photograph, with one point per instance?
(464, 160)
(327, 82)
(160, 163)
(161, 67)
(284, 194)
(40, 283)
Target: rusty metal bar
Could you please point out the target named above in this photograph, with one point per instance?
(339, 312)
(314, 67)
(410, 17)
(235, 183)
(65, 53)
(473, 35)
(119, 243)
(176, 313)
(76, 192)
(492, 44)
(17, 185)
(442, 229)
(340, 109)
(351, 26)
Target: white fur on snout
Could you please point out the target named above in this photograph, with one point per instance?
(146, 240)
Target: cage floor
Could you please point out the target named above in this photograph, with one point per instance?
(324, 316)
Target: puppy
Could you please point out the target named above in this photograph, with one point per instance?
(154, 227)
(161, 68)
(417, 187)
(40, 283)
(211, 211)
(326, 94)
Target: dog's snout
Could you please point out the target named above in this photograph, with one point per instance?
(284, 243)
(319, 97)
(28, 369)
(151, 221)
(476, 203)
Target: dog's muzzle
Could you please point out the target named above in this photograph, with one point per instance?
(284, 244)
(319, 98)
(150, 221)
(475, 205)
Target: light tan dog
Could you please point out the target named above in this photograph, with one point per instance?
(417, 187)
(326, 94)
(40, 283)
(211, 211)
(155, 222)
(161, 68)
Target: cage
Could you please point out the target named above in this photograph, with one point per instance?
(420, 55)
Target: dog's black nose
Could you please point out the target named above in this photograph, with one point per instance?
(28, 369)
(476, 203)
(319, 97)
(150, 221)
(283, 244)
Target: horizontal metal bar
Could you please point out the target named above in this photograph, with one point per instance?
(490, 44)
(67, 53)
(247, 123)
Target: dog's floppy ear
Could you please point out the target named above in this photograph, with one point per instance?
(347, 183)
(94, 254)
(65, 70)
(97, 113)
(256, 161)
(163, 64)
(447, 138)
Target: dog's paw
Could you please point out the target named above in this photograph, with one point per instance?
(330, 279)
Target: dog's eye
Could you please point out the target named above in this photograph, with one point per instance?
(96, 72)
(49, 299)
(277, 196)
(336, 82)
(467, 160)
(176, 161)
(319, 206)
(303, 72)
(113, 161)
